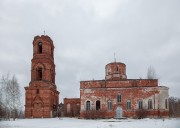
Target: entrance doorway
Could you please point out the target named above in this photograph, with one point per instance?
(119, 112)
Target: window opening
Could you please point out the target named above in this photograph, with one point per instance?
(118, 98)
(117, 69)
(98, 105)
(166, 103)
(40, 47)
(88, 105)
(109, 105)
(128, 104)
(149, 104)
(37, 92)
(140, 104)
(68, 108)
(40, 73)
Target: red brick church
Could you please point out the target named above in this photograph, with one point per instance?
(116, 96)
(42, 97)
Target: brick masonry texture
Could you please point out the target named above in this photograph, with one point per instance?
(100, 92)
(41, 95)
(114, 97)
(71, 107)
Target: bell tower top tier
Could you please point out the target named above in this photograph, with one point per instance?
(115, 71)
(43, 67)
(43, 45)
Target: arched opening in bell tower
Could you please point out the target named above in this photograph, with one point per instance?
(40, 47)
(117, 69)
(40, 74)
(37, 91)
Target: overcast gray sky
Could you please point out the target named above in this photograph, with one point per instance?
(87, 33)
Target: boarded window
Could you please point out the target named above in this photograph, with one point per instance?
(68, 108)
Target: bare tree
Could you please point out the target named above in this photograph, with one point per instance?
(151, 73)
(2, 112)
(5, 101)
(10, 96)
(13, 91)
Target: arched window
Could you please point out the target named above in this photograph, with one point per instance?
(128, 104)
(140, 104)
(117, 69)
(68, 108)
(98, 105)
(40, 74)
(166, 103)
(37, 91)
(109, 105)
(149, 104)
(87, 105)
(118, 98)
(40, 47)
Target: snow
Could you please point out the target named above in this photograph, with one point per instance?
(82, 123)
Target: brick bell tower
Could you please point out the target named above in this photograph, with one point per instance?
(42, 97)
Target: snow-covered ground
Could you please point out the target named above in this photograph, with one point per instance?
(81, 123)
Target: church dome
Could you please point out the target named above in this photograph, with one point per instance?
(115, 71)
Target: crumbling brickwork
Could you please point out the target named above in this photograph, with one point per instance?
(117, 96)
(41, 95)
(71, 107)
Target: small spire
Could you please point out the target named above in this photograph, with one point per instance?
(44, 32)
(114, 57)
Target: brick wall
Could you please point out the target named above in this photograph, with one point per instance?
(119, 84)
(71, 107)
(42, 97)
(134, 94)
(130, 90)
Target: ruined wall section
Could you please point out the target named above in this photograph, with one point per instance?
(119, 84)
(115, 71)
(163, 96)
(133, 90)
(71, 107)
